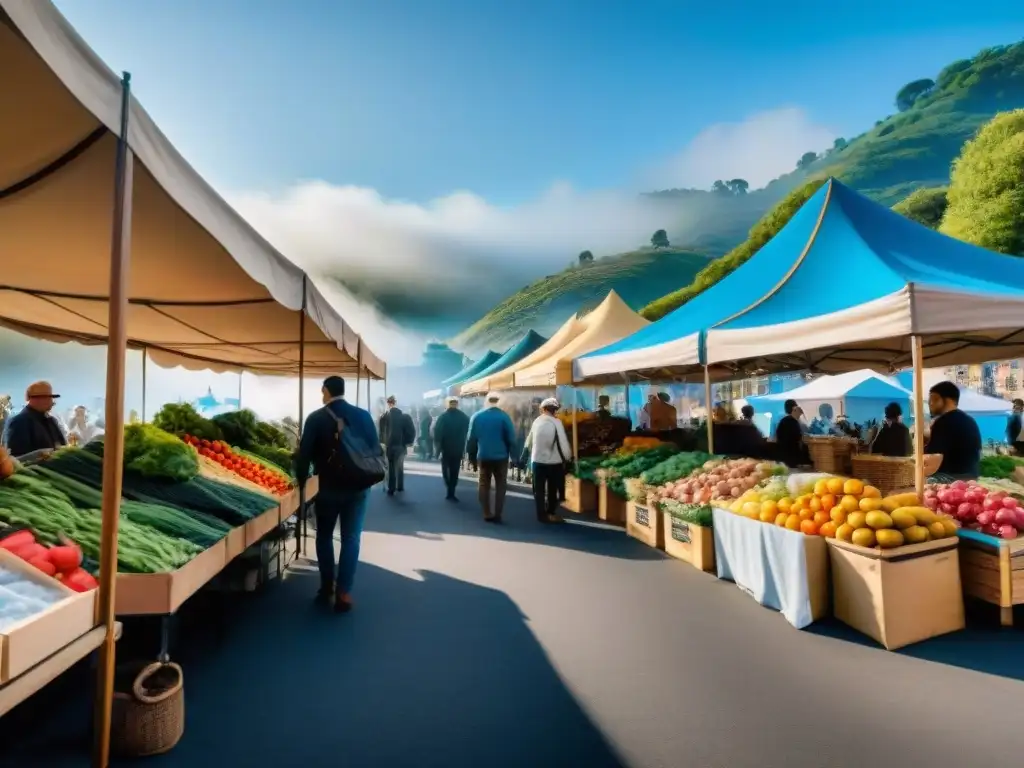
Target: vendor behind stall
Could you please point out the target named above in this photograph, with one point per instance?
(954, 434)
(789, 436)
(893, 437)
(662, 412)
(1014, 427)
(34, 428)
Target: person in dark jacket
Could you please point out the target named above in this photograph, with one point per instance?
(789, 436)
(1014, 426)
(893, 437)
(335, 503)
(954, 433)
(426, 438)
(34, 428)
(397, 435)
(450, 433)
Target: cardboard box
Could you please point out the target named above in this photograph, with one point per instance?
(580, 495)
(157, 594)
(35, 638)
(644, 522)
(610, 507)
(690, 542)
(260, 526)
(992, 570)
(898, 596)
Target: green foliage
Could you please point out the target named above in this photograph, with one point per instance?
(760, 234)
(183, 419)
(986, 191)
(806, 160)
(152, 452)
(238, 427)
(913, 91)
(660, 239)
(586, 257)
(925, 206)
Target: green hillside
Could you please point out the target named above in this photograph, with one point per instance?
(638, 277)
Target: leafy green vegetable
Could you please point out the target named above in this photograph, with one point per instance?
(675, 467)
(154, 453)
(1001, 467)
(182, 419)
(694, 514)
(279, 458)
(238, 427)
(618, 469)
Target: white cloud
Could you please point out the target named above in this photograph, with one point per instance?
(758, 149)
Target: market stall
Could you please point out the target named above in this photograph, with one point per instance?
(519, 351)
(468, 373)
(183, 277)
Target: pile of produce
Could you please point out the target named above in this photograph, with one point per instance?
(994, 512)
(586, 468)
(182, 418)
(675, 467)
(717, 480)
(6, 463)
(268, 477)
(152, 452)
(617, 469)
(999, 467)
(61, 561)
(693, 514)
(846, 509)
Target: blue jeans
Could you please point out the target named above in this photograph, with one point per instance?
(349, 507)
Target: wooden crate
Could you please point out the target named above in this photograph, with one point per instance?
(611, 508)
(692, 543)
(644, 522)
(993, 570)
(580, 495)
(33, 639)
(156, 594)
(898, 596)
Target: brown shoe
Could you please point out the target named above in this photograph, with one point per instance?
(342, 603)
(552, 519)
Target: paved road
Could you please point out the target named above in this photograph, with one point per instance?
(525, 646)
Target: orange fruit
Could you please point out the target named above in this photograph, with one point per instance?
(828, 530)
(853, 487)
(793, 522)
(845, 532)
(770, 506)
(766, 515)
(870, 504)
(821, 487)
(820, 518)
(781, 518)
(814, 504)
(870, 492)
(850, 503)
(835, 485)
(809, 527)
(784, 504)
(805, 514)
(828, 501)
(838, 515)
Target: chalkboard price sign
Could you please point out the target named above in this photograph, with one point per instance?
(681, 531)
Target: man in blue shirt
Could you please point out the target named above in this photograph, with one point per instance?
(492, 439)
(334, 502)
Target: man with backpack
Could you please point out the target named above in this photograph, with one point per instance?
(340, 442)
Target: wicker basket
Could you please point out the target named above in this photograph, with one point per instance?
(889, 474)
(149, 719)
(831, 454)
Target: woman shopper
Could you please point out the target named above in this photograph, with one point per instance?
(549, 453)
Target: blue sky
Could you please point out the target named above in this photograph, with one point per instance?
(419, 98)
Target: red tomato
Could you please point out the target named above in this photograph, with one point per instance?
(219, 456)
(43, 565)
(16, 540)
(80, 580)
(66, 558)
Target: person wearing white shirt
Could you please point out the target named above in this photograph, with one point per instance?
(550, 450)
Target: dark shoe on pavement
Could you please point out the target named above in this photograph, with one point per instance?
(391, 493)
(490, 519)
(325, 594)
(342, 603)
(552, 519)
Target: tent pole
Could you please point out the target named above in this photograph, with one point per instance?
(300, 525)
(707, 404)
(113, 454)
(629, 414)
(359, 368)
(575, 428)
(917, 357)
(239, 390)
(145, 358)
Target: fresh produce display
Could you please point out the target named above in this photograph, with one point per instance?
(1000, 467)
(270, 479)
(281, 458)
(639, 441)
(846, 509)
(694, 514)
(675, 467)
(618, 468)
(597, 437)
(244, 429)
(283, 475)
(992, 512)
(182, 418)
(154, 453)
(717, 480)
(61, 561)
(21, 597)
(216, 471)
(6, 463)
(586, 468)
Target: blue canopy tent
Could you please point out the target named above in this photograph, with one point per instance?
(527, 345)
(862, 280)
(467, 373)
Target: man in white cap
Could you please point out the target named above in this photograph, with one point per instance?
(34, 428)
(492, 438)
(450, 433)
(549, 454)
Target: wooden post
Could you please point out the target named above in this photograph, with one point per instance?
(575, 428)
(708, 408)
(359, 370)
(300, 526)
(113, 452)
(917, 357)
(239, 390)
(145, 358)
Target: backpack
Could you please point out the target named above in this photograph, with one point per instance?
(353, 464)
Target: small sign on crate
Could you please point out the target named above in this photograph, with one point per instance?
(643, 523)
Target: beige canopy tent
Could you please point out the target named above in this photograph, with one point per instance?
(205, 290)
(505, 379)
(610, 321)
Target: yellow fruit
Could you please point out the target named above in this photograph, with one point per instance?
(853, 487)
(870, 492)
(923, 515)
(780, 519)
(805, 514)
(863, 537)
(850, 503)
(736, 507)
(834, 485)
(844, 532)
(903, 519)
(766, 515)
(793, 522)
(857, 520)
(785, 504)
(838, 515)
(950, 525)
(770, 506)
(750, 509)
(869, 505)
(878, 520)
(821, 488)
(814, 504)
(888, 538)
(892, 503)
(916, 534)
(937, 530)
(828, 530)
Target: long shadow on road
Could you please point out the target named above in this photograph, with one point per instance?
(425, 673)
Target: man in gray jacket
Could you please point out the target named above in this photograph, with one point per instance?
(397, 435)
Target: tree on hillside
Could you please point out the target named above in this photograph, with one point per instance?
(586, 257)
(660, 239)
(986, 187)
(925, 206)
(839, 144)
(806, 159)
(913, 91)
(738, 186)
(760, 233)
(721, 188)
